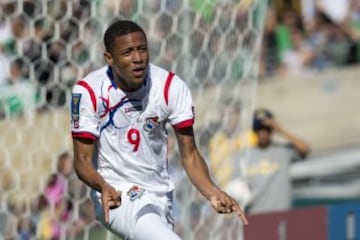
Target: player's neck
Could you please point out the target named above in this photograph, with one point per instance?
(122, 84)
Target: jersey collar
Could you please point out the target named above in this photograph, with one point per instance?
(110, 75)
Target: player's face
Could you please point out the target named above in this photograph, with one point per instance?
(129, 59)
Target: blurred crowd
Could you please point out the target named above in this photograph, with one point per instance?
(62, 210)
(41, 54)
(45, 49)
(302, 36)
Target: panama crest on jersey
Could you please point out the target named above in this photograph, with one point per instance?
(135, 192)
(151, 123)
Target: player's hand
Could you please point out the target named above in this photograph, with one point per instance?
(225, 204)
(110, 198)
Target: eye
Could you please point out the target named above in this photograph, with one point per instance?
(126, 53)
(143, 48)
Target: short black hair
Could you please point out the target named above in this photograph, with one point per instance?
(120, 28)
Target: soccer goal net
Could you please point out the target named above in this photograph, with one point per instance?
(47, 45)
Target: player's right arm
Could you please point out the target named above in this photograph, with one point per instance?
(83, 155)
(84, 124)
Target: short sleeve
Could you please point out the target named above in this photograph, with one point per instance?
(84, 119)
(180, 104)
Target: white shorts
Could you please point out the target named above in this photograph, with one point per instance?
(122, 220)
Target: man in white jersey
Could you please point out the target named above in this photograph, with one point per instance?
(120, 112)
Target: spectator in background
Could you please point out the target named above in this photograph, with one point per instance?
(55, 207)
(285, 47)
(18, 94)
(228, 138)
(269, 59)
(56, 188)
(330, 28)
(26, 228)
(56, 191)
(307, 35)
(268, 164)
(299, 58)
(47, 225)
(294, 53)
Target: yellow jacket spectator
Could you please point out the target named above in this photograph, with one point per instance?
(227, 139)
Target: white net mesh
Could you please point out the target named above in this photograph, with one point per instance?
(46, 45)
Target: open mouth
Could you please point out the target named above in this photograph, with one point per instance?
(138, 72)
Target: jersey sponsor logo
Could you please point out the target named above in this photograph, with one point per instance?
(135, 192)
(75, 109)
(133, 109)
(151, 123)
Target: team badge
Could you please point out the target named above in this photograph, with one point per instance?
(75, 109)
(151, 123)
(135, 192)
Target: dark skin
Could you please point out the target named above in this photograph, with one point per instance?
(129, 59)
(83, 155)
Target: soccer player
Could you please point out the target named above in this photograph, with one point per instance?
(120, 111)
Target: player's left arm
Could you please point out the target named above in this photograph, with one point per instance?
(198, 173)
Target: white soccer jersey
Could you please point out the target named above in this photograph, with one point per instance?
(130, 127)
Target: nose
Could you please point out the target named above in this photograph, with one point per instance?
(137, 57)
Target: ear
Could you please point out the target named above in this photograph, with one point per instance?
(108, 58)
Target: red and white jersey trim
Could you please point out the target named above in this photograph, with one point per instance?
(167, 86)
